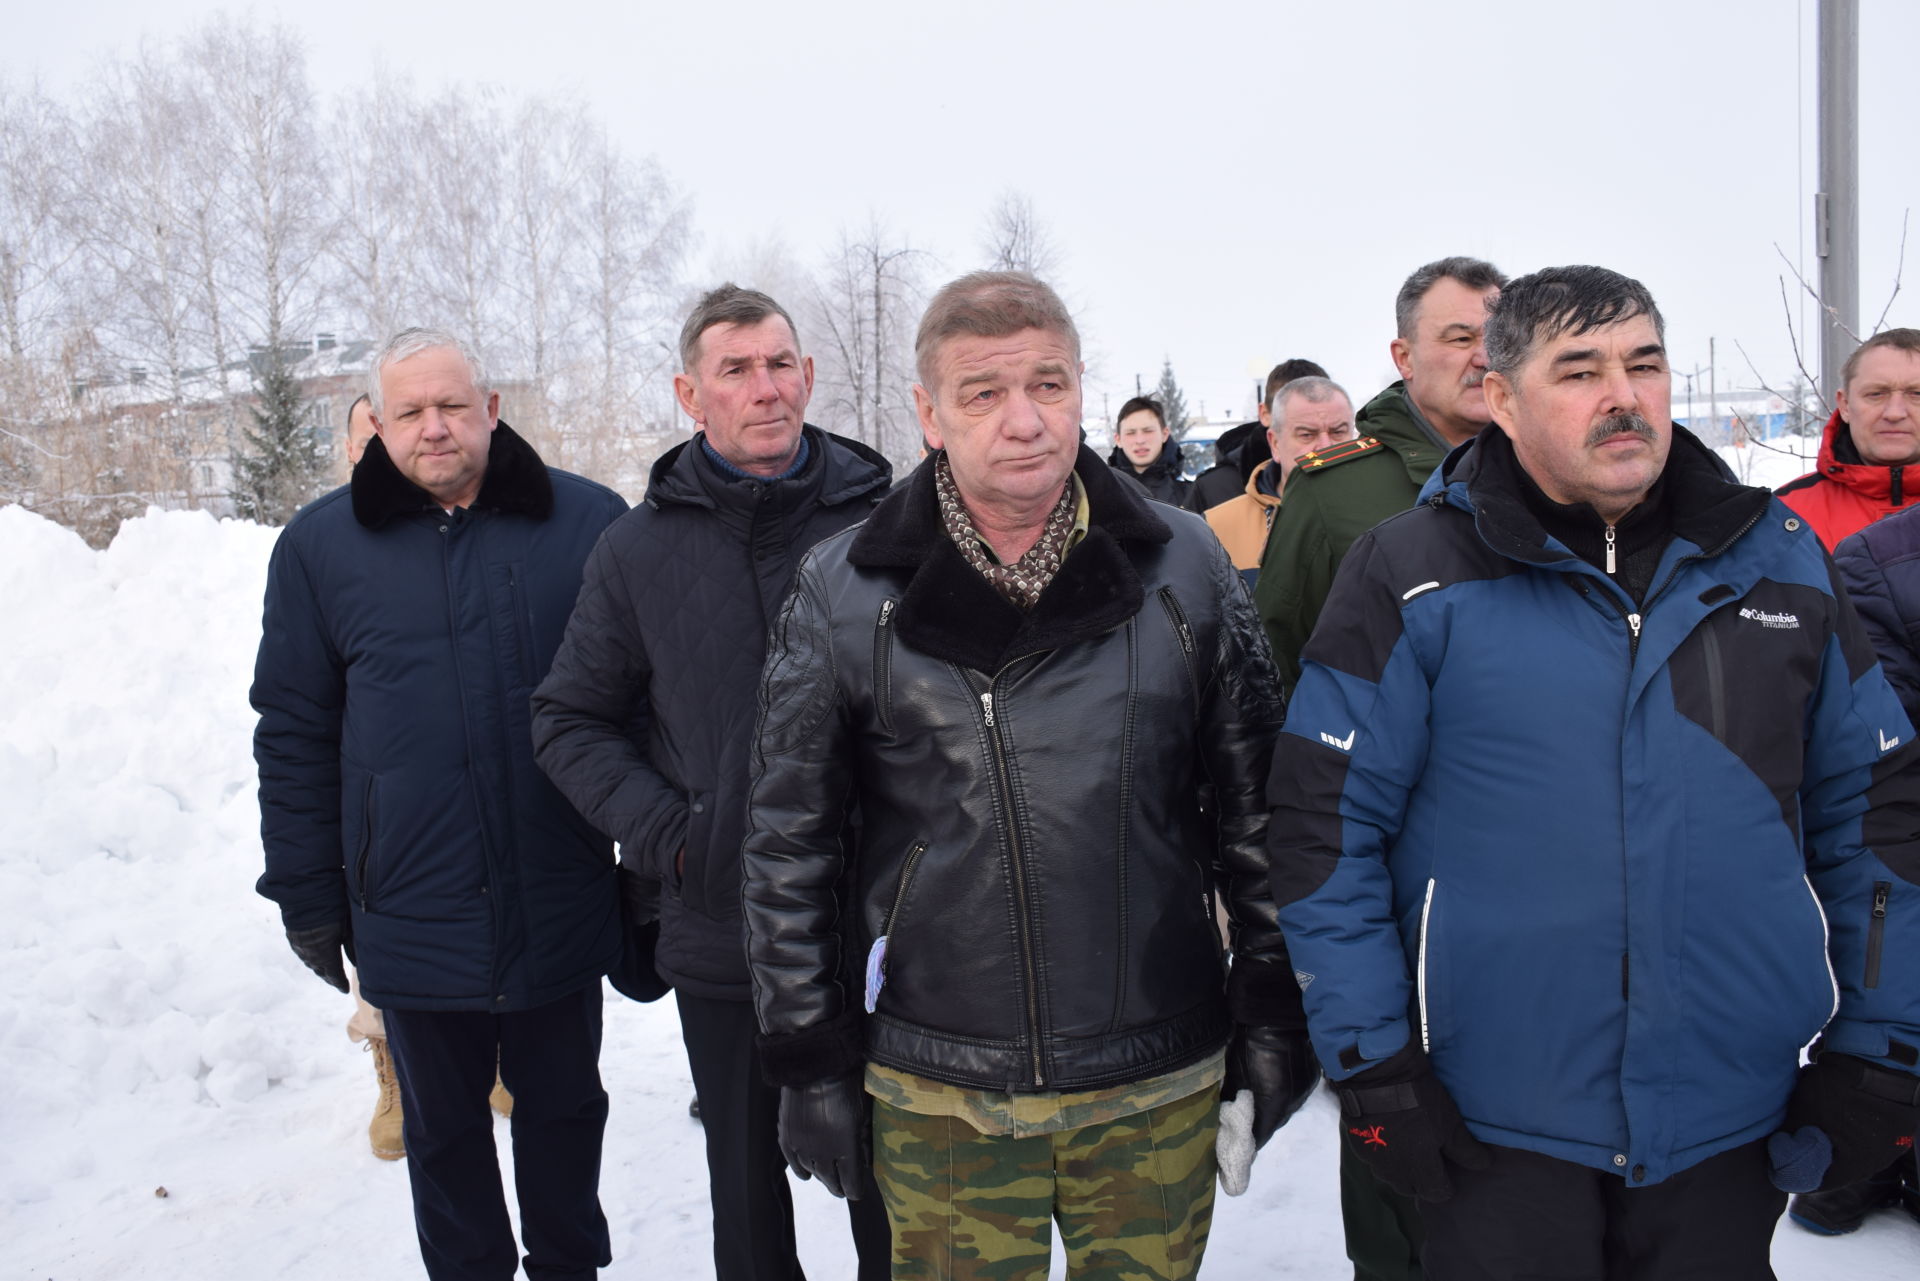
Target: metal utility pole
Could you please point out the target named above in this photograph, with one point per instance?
(1836, 205)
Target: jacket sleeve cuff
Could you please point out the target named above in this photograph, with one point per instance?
(818, 1053)
(1265, 994)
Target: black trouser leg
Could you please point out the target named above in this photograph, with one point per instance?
(746, 1175)
(1530, 1216)
(1382, 1226)
(1711, 1222)
(550, 1062)
(445, 1064)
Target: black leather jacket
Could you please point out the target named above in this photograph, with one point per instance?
(1025, 794)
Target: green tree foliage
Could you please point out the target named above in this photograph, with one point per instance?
(1172, 401)
(284, 461)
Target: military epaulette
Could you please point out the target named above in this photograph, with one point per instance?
(1340, 453)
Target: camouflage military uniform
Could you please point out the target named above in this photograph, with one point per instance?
(1133, 1194)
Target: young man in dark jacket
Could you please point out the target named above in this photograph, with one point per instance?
(1145, 449)
(1018, 675)
(1593, 808)
(408, 617)
(646, 718)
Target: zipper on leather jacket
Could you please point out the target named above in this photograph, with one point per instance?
(1031, 979)
(1877, 931)
(1177, 617)
(883, 664)
(914, 853)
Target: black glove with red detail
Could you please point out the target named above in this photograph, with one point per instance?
(1399, 1119)
(1866, 1113)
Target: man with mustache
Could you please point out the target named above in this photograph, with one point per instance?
(1337, 494)
(1593, 807)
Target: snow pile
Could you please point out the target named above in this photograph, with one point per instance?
(157, 1033)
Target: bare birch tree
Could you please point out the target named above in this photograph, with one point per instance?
(1014, 239)
(865, 303)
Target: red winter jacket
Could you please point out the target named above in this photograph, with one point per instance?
(1844, 495)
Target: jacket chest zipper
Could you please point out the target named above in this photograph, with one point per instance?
(1877, 931)
(1177, 617)
(1032, 976)
(883, 664)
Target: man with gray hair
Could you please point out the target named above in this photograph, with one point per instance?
(1403, 433)
(408, 616)
(647, 716)
(1304, 416)
(978, 876)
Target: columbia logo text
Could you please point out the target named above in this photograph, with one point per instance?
(1762, 617)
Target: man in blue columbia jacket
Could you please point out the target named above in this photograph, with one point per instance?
(408, 618)
(1592, 809)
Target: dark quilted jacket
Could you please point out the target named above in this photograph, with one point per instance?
(646, 718)
(397, 783)
(1881, 568)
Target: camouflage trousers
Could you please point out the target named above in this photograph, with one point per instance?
(1134, 1197)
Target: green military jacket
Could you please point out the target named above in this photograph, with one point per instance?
(1334, 496)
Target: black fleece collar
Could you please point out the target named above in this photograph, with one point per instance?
(950, 612)
(515, 481)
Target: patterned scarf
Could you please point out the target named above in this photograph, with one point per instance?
(1024, 580)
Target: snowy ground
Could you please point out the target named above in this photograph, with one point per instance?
(157, 1033)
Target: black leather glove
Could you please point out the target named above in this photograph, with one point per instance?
(1399, 1119)
(1868, 1114)
(825, 1131)
(320, 949)
(1278, 1066)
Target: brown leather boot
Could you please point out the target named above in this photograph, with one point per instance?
(499, 1100)
(384, 1132)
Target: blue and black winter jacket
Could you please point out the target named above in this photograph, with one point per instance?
(1614, 864)
(398, 791)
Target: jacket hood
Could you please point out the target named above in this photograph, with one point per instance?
(849, 469)
(1840, 462)
(1168, 463)
(950, 611)
(1389, 419)
(1710, 509)
(515, 481)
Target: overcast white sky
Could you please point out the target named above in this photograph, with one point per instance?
(1230, 183)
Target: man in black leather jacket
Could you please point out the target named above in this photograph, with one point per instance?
(978, 869)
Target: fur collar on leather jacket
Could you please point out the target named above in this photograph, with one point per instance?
(950, 612)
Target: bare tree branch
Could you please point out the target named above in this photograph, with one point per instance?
(1899, 269)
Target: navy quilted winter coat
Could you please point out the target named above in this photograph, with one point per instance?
(397, 783)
